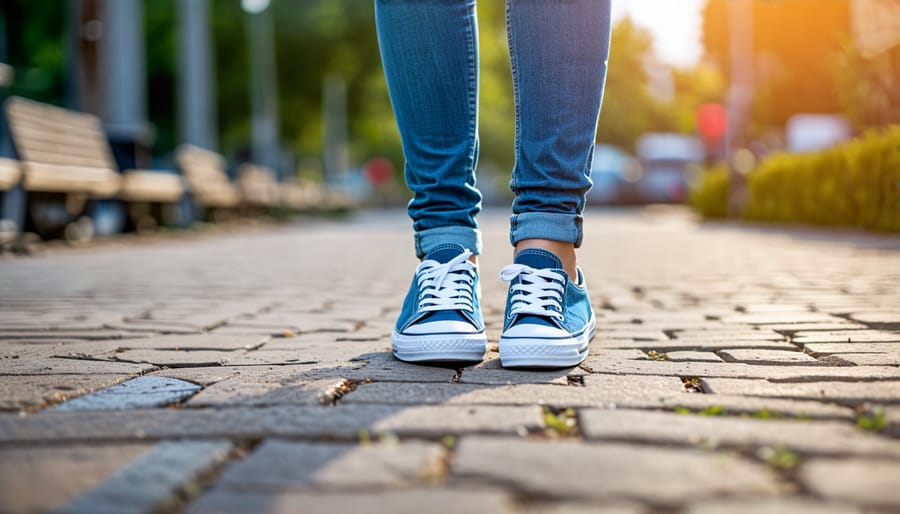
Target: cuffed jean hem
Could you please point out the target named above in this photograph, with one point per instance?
(428, 239)
(565, 228)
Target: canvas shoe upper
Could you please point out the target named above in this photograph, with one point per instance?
(441, 316)
(549, 321)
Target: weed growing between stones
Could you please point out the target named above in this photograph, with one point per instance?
(779, 458)
(873, 422)
(692, 384)
(657, 356)
(560, 423)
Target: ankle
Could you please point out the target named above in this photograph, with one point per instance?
(565, 252)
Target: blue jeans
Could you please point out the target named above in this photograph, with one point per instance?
(558, 52)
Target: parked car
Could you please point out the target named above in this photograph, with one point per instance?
(665, 159)
(614, 173)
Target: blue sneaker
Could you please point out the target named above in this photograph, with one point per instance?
(441, 317)
(549, 320)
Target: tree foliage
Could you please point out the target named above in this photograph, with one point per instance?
(794, 42)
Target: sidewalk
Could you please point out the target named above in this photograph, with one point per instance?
(735, 370)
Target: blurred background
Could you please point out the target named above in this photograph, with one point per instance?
(702, 96)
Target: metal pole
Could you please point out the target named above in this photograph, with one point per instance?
(196, 98)
(124, 77)
(264, 90)
(124, 81)
(74, 79)
(740, 97)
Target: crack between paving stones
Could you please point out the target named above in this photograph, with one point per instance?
(575, 380)
(333, 395)
(181, 498)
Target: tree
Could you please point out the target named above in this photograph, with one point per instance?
(794, 43)
(629, 109)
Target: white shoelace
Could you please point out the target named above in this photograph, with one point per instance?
(539, 291)
(446, 286)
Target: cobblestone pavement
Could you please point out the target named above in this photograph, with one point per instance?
(735, 370)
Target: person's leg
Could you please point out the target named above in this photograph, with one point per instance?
(558, 52)
(429, 50)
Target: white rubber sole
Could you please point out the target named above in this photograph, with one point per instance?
(521, 352)
(438, 347)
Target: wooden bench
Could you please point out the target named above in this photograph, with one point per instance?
(300, 195)
(208, 182)
(63, 151)
(259, 188)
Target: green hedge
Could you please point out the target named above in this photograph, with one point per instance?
(854, 184)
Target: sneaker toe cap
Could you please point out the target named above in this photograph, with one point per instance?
(441, 327)
(534, 331)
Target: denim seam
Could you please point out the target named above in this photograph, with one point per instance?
(510, 42)
(472, 94)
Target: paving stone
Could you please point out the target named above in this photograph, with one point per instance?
(181, 358)
(745, 405)
(838, 348)
(40, 479)
(207, 376)
(559, 507)
(755, 308)
(871, 359)
(491, 372)
(151, 327)
(413, 501)
(238, 391)
(884, 319)
(860, 481)
(208, 342)
(774, 357)
(850, 393)
(820, 437)
(30, 392)
(298, 323)
(730, 333)
(141, 392)
(792, 505)
(304, 351)
(245, 330)
(61, 366)
(43, 336)
(598, 390)
(847, 336)
(284, 465)
(151, 480)
(739, 370)
(616, 354)
(689, 356)
(569, 469)
(699, 344)
(383, 366)
(791, 328)
(611, 332)
(771, 318)
(342, 422)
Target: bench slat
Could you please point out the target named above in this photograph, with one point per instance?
(258, 186)
(96, 182)
(150, 186)
(10, 174)
(205, 172)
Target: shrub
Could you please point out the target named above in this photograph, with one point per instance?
(854, 184)
(710, 197)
